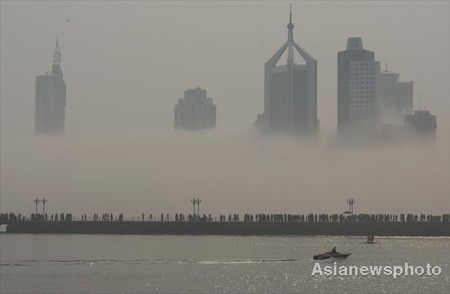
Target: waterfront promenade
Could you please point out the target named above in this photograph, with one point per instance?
(261, 224)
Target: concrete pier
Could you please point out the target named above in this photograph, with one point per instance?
(232, 228)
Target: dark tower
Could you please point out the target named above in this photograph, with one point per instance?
(50, 98)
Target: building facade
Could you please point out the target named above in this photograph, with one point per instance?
(50, 99)
(195, 111)
(396, 98)
(358, 75)
(290, 91)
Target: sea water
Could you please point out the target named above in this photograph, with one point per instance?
(211, 264)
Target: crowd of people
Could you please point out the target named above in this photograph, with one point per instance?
(260, 217)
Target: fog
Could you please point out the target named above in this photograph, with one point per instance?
(126, 64)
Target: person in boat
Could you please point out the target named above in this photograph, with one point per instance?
(333, 251)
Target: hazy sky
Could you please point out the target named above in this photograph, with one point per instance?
(126, 64)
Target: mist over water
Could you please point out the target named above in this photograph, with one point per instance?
(126, 64)
(231, 172)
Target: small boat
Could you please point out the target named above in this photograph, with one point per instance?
(328, 255)
(331, 254)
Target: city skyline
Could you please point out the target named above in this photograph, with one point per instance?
(291, 110)
(326, 96)
(122, 88)
(224, 146)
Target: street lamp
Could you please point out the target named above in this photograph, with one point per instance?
(43, 205)
(36, 201)
(198, 206)
(193, 201)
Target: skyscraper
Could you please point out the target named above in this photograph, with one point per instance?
(50, 99)
(290, 91)
(358, 74)
(195, 111)
(396, 98)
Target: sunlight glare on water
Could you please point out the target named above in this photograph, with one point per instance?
(220, 264)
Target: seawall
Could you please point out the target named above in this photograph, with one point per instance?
(232, 228)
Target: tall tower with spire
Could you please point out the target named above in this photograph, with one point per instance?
(50, 99)
(290, 90)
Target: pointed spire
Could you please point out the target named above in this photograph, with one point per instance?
(290, 25)
(56, 68)
(290, 12)
(385, 66)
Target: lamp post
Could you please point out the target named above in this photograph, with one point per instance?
(43, 205)
(36, 201)
(193, 201)
(198, 206)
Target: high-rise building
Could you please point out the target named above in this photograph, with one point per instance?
(358, 74)
(195, 111)
(50, 99)
(290, 91)
(395, 97)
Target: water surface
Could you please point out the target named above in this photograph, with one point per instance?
(219, 264)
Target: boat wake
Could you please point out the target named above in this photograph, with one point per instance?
(33, 262)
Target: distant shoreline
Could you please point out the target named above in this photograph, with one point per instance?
(232, 228)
